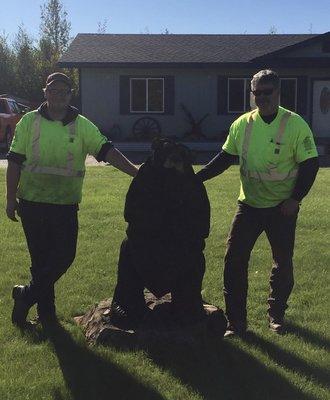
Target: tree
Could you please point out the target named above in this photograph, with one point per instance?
(272, 30)
(26, 73)
(24, 64)
(55, 27)
(146, 31)
(45, 57)
(102, 26)
(7, 62)
(54, 41)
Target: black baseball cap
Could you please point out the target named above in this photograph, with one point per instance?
(58, 77)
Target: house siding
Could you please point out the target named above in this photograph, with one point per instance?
(196, 88)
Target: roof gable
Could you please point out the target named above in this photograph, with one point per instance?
(311, 46)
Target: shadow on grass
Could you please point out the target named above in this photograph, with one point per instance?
(219, 370)
(290, 361)
(308, 335)
(89, 376)
(216, 369)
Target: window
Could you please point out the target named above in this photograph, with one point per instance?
(147, 95)
(238, 95)
(288, 96)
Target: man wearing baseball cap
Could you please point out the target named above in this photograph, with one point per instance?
(46, 167)
(58, 77)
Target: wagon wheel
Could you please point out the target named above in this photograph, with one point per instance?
(146, 128)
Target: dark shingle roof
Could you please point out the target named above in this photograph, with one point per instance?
(94, 49)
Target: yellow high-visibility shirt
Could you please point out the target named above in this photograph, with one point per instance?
(297, 145)
(45, 176)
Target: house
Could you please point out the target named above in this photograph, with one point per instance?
(136, 85)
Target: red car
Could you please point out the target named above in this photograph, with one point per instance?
(10, 114)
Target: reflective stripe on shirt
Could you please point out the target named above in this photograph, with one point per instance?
(33, 167)
(272, 174)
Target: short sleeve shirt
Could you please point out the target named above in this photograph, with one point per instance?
(297, 145)
(55, 146)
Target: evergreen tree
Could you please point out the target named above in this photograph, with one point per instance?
(54, 41)
(55, 27)
(7, 62)
(272, 30)
(25, 64)
(27, 83)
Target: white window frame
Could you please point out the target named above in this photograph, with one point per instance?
(296, 91)
(147, 100)
(246, 80)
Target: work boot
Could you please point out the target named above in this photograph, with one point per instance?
(276, 324)
(235, 329)
(21, 308)
(127, 320)
(119, 318)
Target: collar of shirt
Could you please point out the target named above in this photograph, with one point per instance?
(269, 118)
(71, 114)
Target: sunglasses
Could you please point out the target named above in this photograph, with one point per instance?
(59, 91)
(266, 92)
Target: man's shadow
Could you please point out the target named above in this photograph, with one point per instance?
(290, 361)
(308, 336)
(218, 369)
(215, 368)
(87, 375)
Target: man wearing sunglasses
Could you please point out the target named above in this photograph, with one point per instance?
(278, 165)
(46, 168)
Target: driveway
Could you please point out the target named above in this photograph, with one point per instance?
(90, 161)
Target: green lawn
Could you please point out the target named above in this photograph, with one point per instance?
(263, 366)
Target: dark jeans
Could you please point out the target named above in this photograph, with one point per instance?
(51, 233)
(185, 287)
(248, 224)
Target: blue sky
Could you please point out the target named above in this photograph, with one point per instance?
(178, 16)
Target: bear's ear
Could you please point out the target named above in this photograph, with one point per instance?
(157, 143)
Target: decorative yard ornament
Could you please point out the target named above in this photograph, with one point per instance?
(325, 100)
(195, 132)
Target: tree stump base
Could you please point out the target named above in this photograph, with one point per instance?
(161, 326)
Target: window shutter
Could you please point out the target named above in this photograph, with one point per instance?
(247, 95)
(169, 95)
(302, 95)
(222, 94)
(124, 94)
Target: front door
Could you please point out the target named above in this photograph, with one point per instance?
(321, 108)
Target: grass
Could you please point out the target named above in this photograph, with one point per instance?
(263, 366)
